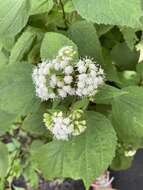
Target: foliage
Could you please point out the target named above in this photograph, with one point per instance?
(108, 32)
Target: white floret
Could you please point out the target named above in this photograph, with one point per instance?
(68, 79)
(62, 93)
(68, 70)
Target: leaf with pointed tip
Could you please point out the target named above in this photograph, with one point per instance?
(86, 156)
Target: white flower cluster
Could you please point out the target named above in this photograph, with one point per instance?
(53, 79)
(64, 76)
(90, 77)
(64, 127)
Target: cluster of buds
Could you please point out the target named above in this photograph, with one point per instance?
(53, 79)
(63, 127)
(129, 153)
(65, 76)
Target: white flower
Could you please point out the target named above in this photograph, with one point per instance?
(54, 79)
(64, 127)
(62, 93)
(66, 121)
(82, 69)
(90, 77)
(52, 95)
(60, 83)
(63, 76)
(67, 88)
(82, 77)
(68, 70)
(80, 63)
(57, 65)
(81, 84)
(68, 79)
(93, 67)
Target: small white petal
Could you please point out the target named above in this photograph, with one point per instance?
(62, 93)
(67, 88)
(82, 69)
(68, 79)
(57, 66)
(60, 83)
(68, 70)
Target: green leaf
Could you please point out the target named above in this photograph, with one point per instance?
(17, 93)
(42, 6)
(85, 36)
(121, 12)
(13, 16)
(128, 78)
(130, 37)
(4, 162)
(69, 7)
(102, 29)
(81, 104)
(120, 161)
(7, 42)
(106, 94)
(52, 43)
(123, 57)
(86, 156)
(109, 68)
(3, 58)
(127, 116)
(33, 123)
(22, 46)
(6, 120)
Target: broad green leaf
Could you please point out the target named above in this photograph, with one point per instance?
(7, 42)
(33, 123)
(52, 43)
(41, 6)
(13, 16)
(6, 120)
(17, 93)
(3, 58)
(106, 94)
(127, 116)
(130, 37)
(86, 156)
(85, 36)
(121, 12)
(22, 46)
(4, 162)
(123, 57)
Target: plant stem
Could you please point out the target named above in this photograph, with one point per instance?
(64, 14)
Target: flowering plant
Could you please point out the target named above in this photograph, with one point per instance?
(71, 96)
